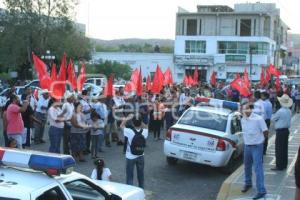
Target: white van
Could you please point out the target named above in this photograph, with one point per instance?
(100, 82)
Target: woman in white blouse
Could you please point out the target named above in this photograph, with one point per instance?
(56, 120)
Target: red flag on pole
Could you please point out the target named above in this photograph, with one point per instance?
(71, 75)
(262, 77)
(81, 78)
(274, 71)
(213, 78)
(240, 86)
(158, 81)
(58, 87)
(246, 78)
(196, 75)
(168, 78)
(267, 76)
(185, 81)
(190, 80)
(53, 73)
(41, 69)
(109, 89)
(139, 88)
(148, 83)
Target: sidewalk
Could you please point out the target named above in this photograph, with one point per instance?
(279, 185)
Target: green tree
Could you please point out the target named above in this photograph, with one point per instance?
(37, 26)
(108, 67)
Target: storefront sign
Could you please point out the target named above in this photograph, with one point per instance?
(193, 60)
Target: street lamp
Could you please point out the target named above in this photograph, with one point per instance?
(48, 58)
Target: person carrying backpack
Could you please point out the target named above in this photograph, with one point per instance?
(135, 139)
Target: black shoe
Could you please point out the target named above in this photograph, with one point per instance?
(259, 195)
(246, 188)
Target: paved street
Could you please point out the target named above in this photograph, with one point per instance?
(183, 181)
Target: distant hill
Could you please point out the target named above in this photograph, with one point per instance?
(134, 45)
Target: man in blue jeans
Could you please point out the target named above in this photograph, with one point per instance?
(254, 131)
(133, 159)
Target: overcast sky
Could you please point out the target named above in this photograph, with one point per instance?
(115, 19)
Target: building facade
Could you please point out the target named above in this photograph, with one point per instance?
(147, 61)
(226, 40)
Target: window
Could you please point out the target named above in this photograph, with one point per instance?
(235, 125)
(259, 48)
(236, 26)
(191, 28)
(84, 190)
(54, 193)
(254, 31)
(245, 27)
(182, 28)
(194, 46)
(204, 119)
(200, 26)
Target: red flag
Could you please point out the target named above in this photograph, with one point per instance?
(53, 73)
(267, 76)
(196, 75)
(277, 84)
(129, 87)
(71, 75)
(240, 86)
(158, 81)
(41, 69)
(139, 88)
(274, 71)
(185, 81)
(168, 77)
(262, 77)
(58, 87)
(246, 78)
(148, 83)
(109, 89)
(81, 78)
(190, 80)
(135, 77)
(213, 78)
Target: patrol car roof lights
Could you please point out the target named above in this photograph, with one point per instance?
(217, 103)
(51, 164)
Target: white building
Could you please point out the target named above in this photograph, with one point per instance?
(147, 61)
(226, 40)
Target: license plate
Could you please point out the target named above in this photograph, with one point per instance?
(189, 155)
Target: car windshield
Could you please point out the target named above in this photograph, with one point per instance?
(204, 120)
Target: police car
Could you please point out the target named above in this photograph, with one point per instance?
(209, 134)
(32, 175)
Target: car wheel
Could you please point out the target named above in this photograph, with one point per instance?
(230, 167)
(172, 161)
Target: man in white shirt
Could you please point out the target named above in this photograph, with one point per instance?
(259, 105)
(40, 113)
(254, 130)
(68, 107)
(134, 153)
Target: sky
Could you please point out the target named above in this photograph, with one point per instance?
(117, 19)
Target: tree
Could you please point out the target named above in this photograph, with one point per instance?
(39, 25)
(108, 67)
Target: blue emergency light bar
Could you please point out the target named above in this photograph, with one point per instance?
(50, 163)
(218, 103)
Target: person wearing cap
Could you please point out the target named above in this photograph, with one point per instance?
(68, 106)
(282, 122)
(254, 129)
(40, 113)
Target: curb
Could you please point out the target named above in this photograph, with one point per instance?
(227, 185)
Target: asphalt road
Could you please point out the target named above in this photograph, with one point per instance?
(184, 181)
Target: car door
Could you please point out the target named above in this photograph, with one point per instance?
(236, 132)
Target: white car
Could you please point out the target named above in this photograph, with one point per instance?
(32, 175)
(206, 134)
(96, 90)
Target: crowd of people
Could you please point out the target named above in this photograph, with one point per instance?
(84, 123)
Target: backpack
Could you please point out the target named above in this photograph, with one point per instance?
(138, 143)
